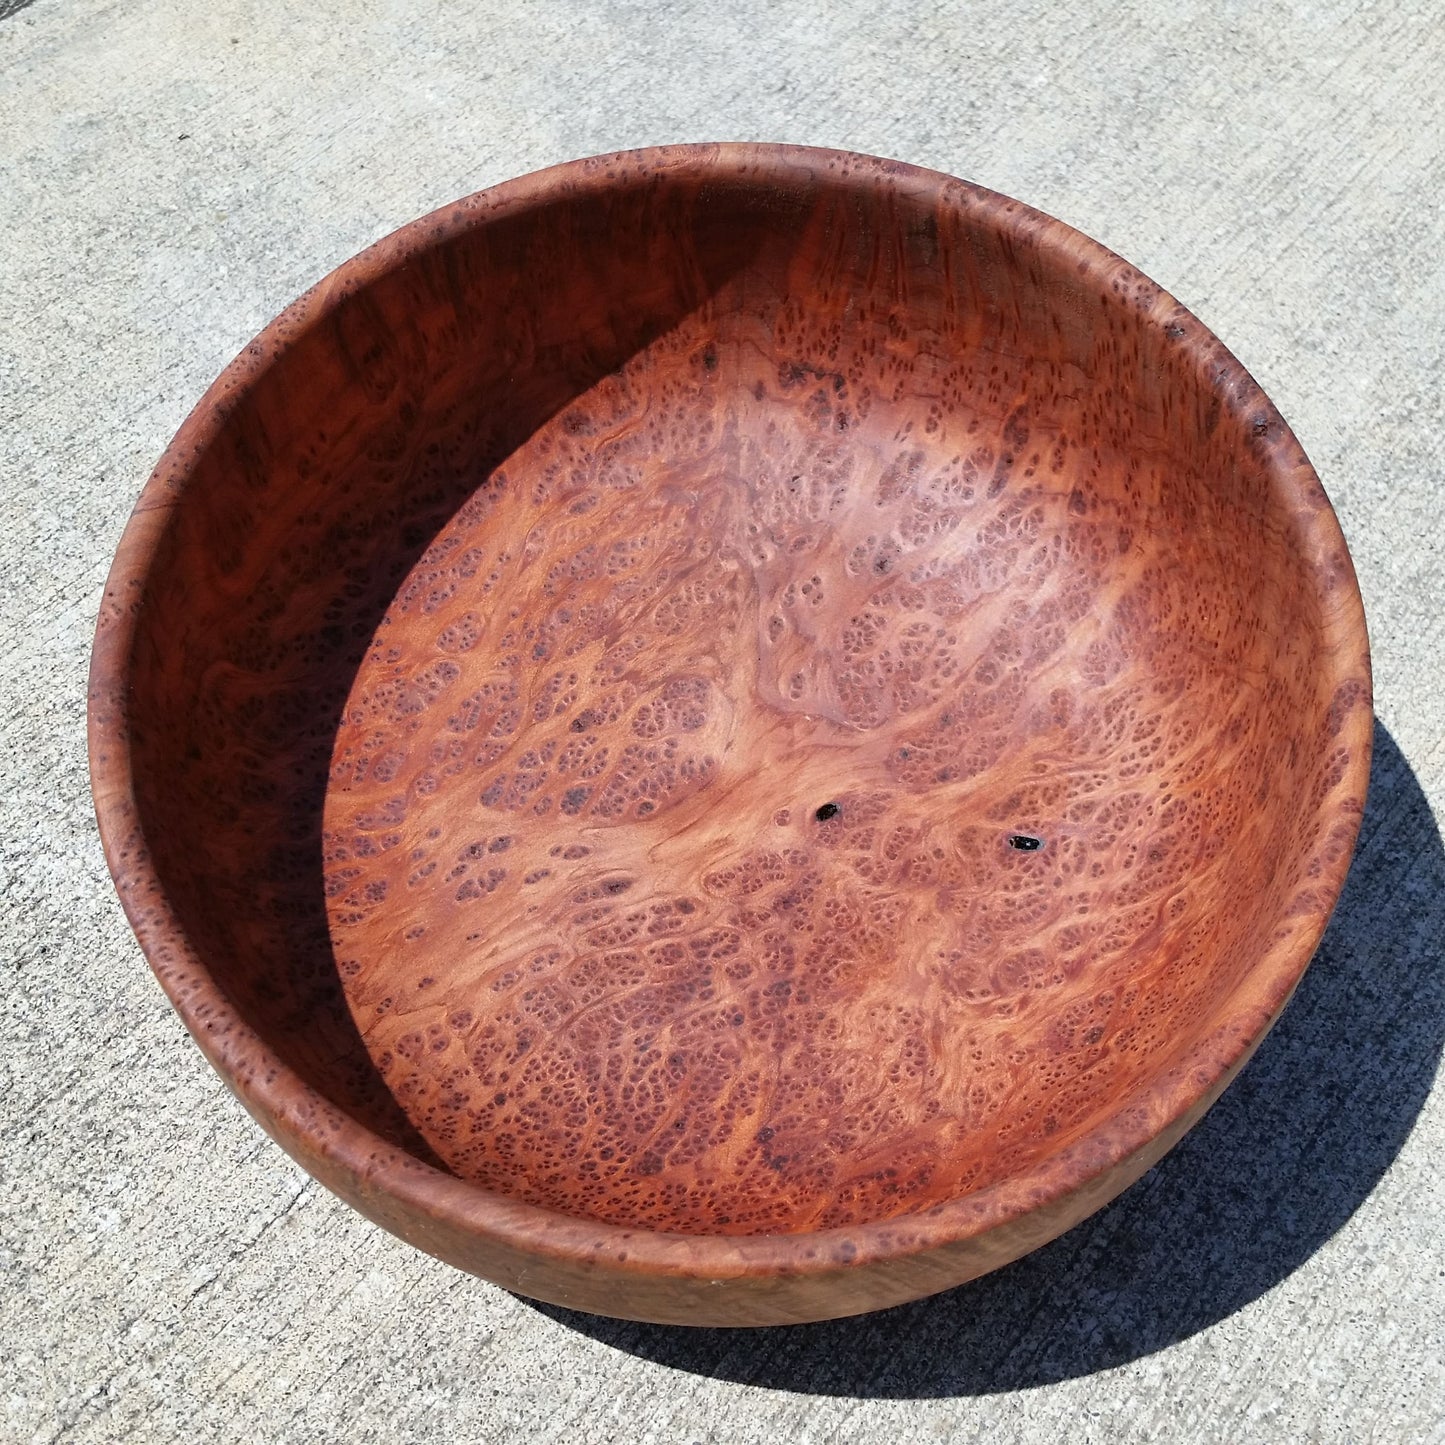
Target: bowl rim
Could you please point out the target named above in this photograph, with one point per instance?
(341, 1150)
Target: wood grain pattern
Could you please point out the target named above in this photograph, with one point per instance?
(734, 734)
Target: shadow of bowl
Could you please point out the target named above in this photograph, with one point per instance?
(1274, 1170)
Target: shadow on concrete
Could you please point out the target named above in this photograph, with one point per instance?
(1282, 1161)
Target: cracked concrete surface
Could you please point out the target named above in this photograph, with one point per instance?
(172, 173)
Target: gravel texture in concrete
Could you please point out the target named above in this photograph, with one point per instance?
(173, 172)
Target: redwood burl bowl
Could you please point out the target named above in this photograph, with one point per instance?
(731, 735)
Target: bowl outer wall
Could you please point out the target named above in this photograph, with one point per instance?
(746, 1279)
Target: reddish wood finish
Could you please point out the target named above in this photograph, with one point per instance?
(574, 707)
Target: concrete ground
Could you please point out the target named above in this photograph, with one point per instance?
(172, 172)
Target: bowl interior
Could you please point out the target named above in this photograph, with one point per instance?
(736, 704)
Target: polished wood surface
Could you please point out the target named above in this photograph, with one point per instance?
(731, 734)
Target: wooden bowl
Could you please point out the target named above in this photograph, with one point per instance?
(733, 734)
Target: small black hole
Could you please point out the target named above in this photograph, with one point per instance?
(828, 810)
(1025, 842)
